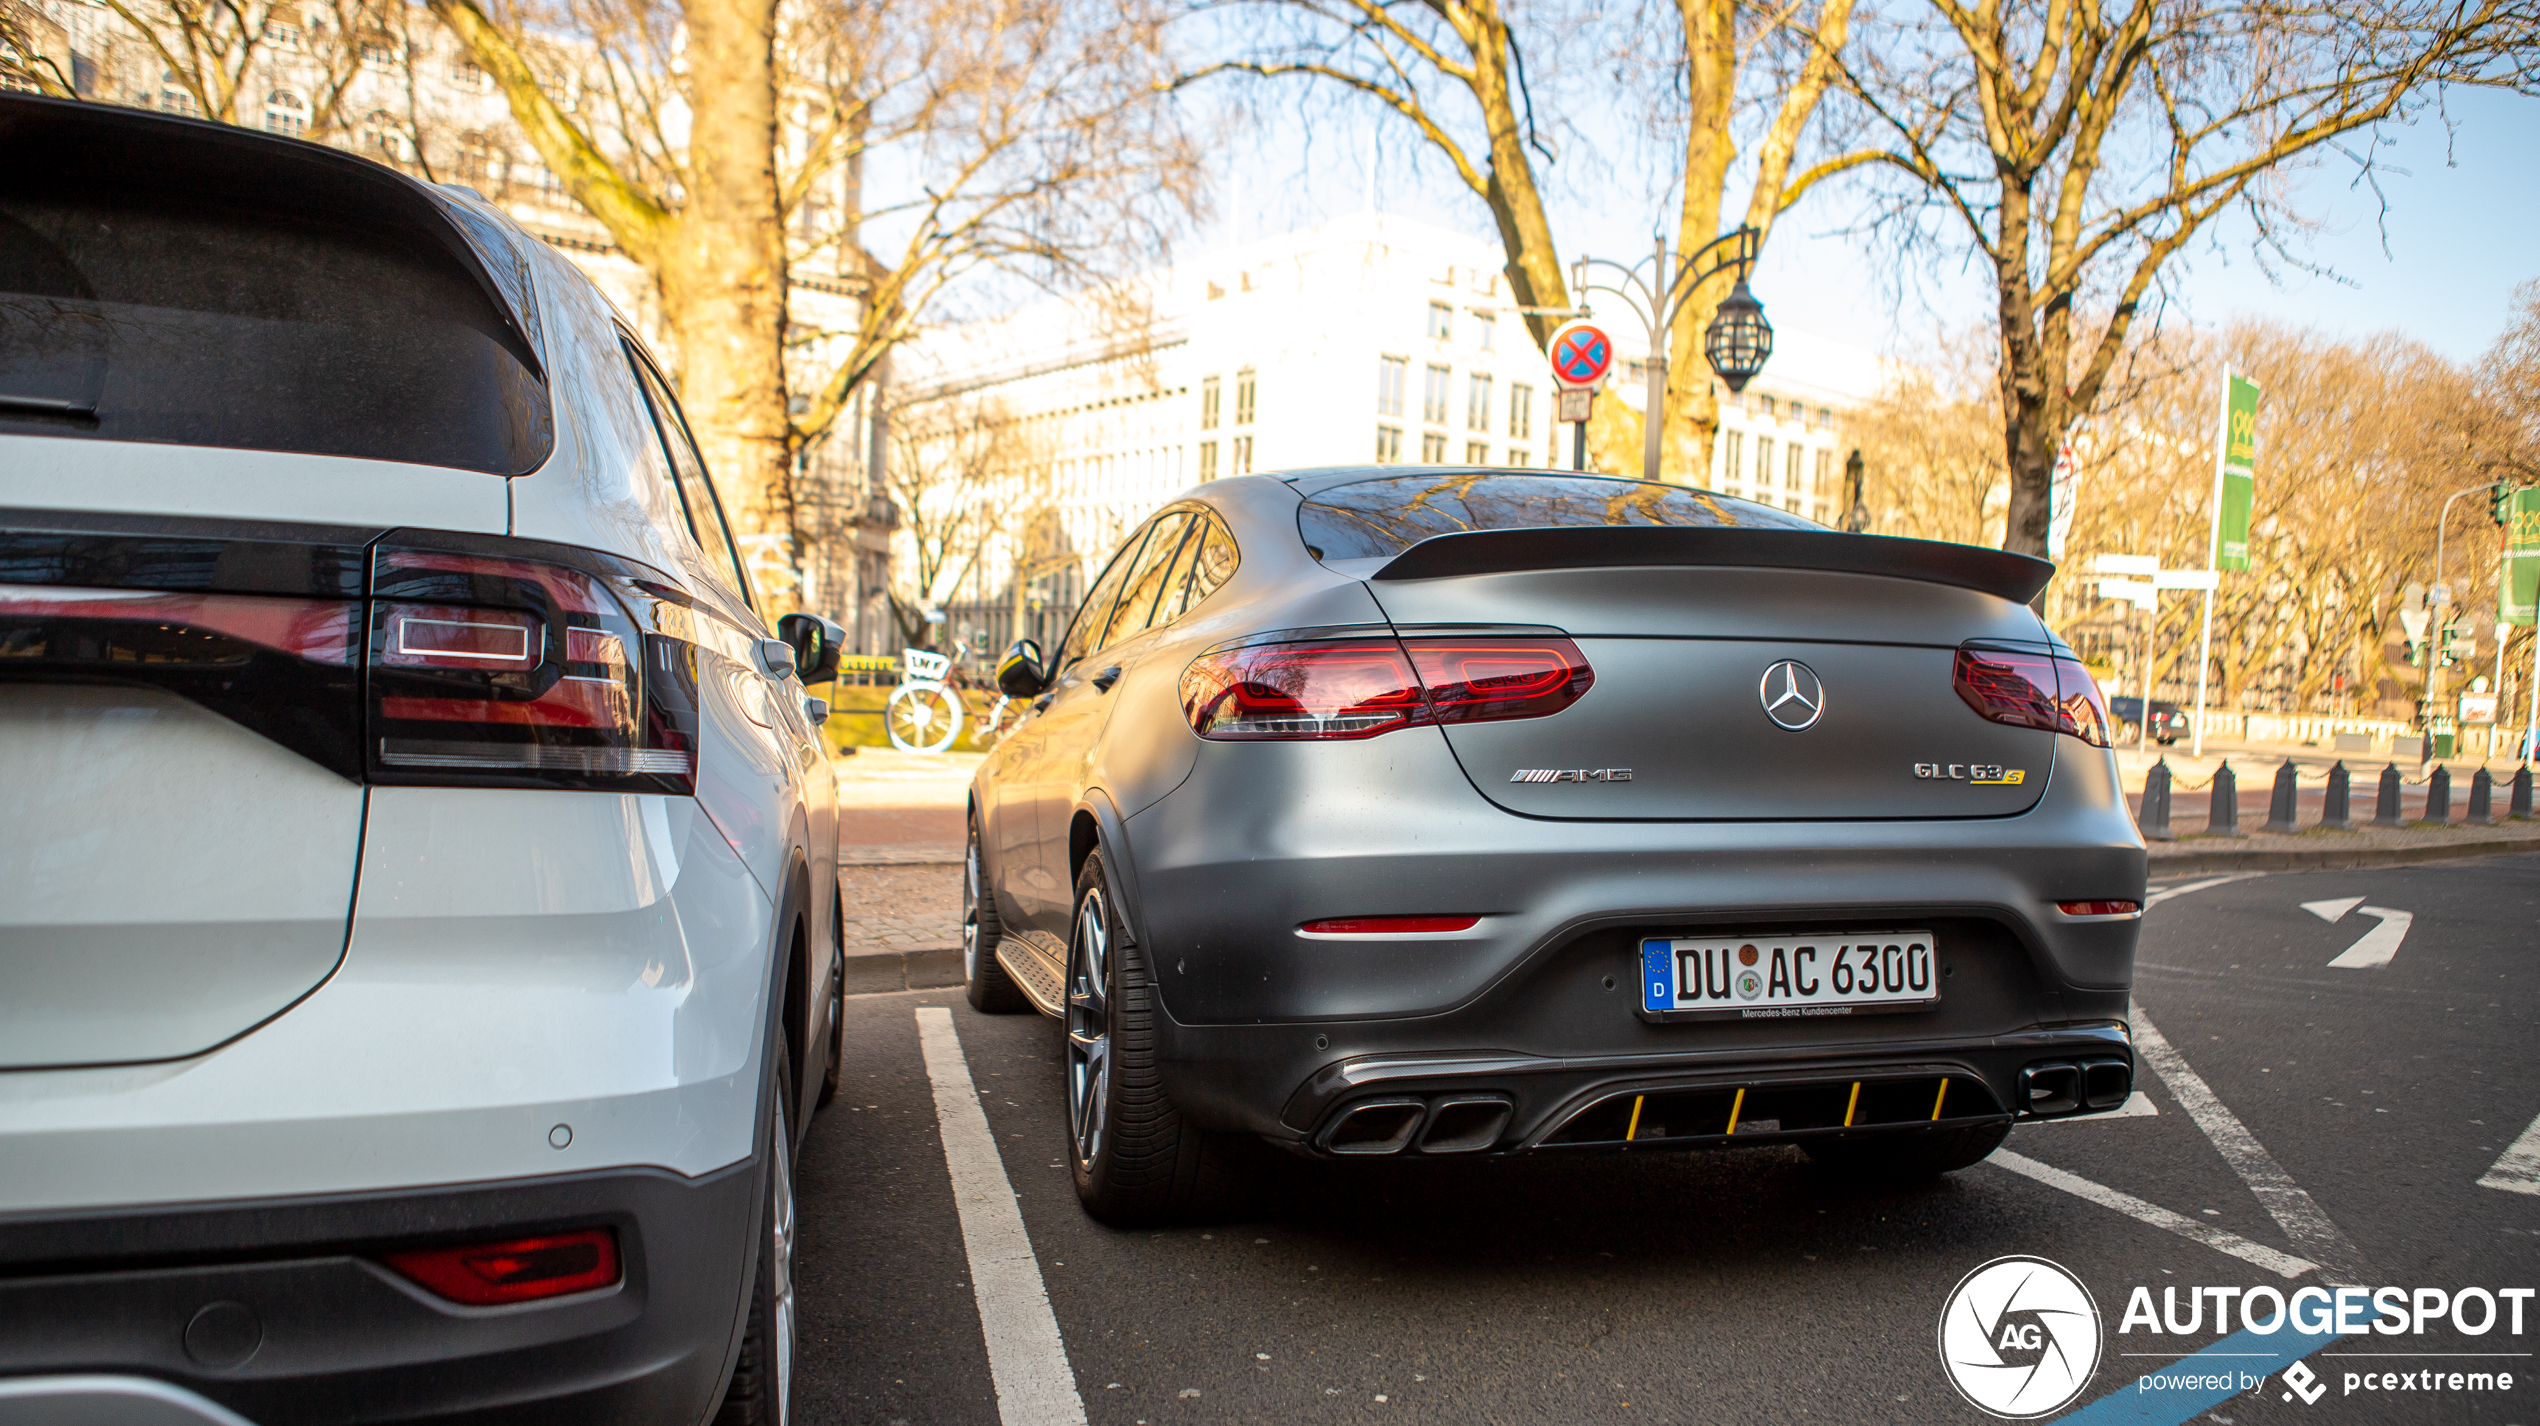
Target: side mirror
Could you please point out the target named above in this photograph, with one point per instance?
(816, 643)
(1019, 673)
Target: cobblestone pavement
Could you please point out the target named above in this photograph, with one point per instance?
(901, 908)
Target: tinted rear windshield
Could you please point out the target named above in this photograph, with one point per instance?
(128, 314)
(1381, 518)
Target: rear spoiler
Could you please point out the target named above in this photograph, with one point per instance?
(2017, 578)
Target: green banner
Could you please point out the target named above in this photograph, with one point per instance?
(2518, 593)
(2238, 485)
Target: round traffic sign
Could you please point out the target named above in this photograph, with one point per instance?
(1581, 353)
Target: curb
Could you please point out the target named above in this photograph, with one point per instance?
(2331, 859)
(904, 854)
(882, 972)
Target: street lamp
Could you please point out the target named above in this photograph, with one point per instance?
(1738, 341)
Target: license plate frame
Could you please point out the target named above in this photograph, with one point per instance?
(1730, 986)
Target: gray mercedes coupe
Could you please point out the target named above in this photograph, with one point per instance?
(1434, 812)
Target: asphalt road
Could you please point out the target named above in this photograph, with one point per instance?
(1744, 1285)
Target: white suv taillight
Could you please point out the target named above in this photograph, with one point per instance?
(489, 667)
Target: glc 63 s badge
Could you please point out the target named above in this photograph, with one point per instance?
(1979, 774)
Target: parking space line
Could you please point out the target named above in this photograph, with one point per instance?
(2518, 1171)
(2157, 897)
(2285, 1201)
(2220, 1240)
(1026, 1359)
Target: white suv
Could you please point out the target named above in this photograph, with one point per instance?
(418, 910)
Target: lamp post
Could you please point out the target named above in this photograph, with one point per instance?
(1737, 343)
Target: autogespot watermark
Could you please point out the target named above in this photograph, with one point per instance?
(2019, 1338)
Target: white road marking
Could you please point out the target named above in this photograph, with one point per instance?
(2330, 910)
(2519, 1170)
(2285, 1201)
(2156, 898)
(2282, 1264)
(2137, 1106)
(2379, 944)
(1026, 1360)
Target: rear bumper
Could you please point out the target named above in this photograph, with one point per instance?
(332, 1336)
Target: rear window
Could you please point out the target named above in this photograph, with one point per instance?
(291, 314)
(1373, 519)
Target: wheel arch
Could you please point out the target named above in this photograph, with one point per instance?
(1098, 825)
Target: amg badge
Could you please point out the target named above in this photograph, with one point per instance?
(1571, 774)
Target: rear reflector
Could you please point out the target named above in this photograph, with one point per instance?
(2097, 908)
(1389, 925)
(2032, 690)
(516, 1269)
(1358, 688)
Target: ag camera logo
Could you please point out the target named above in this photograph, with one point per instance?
(2019, 1338)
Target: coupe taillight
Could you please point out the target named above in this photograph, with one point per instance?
(2030, 690)
(515, 1269)
(1359, 688)
(489, 668)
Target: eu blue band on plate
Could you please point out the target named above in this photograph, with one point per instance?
(2179, 1392)
(1657, 979)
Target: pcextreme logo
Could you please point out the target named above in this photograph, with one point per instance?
(2020, 1338)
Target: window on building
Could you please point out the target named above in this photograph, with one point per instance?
(1825, 418)
(1433, 395)
(1517, 457)
(1521, 411)
(1243, 455)
(286, 113)
(1791, 466)
(1243, 398)
(379, 53)
(1388, 445)
(1825, 471)
(175, 98)
(1763, 461)
(383, 137)
(1477, 402)
(1390, 376)
(282, 35)
(1768, 406)
(1432, 448)
(1207, 461)
(1477, 452)
(1733, 456)
(1486, 328)
(1441, 322)
(1208, 399)
(468, 75)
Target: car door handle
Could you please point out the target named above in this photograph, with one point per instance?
(1105, 679)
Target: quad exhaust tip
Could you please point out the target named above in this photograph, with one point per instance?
(2059, 1087)
(1450, 1124)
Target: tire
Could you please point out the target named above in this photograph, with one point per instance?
(1904, 1158)
(762, 1381)
(984, 982)
(837, 1038)
(1135, 1161)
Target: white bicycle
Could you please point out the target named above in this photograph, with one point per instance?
(924, 714)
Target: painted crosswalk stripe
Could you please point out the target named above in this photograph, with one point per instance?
(2519, 1170)
(1026, 1360)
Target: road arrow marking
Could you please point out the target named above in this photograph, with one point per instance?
(2519, 1170)
(2332, 910)
(2379, 944)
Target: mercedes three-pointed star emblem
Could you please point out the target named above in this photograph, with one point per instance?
(1793, 696)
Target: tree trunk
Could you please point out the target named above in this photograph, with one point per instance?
(722, 274)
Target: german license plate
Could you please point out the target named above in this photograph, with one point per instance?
(1757, 977)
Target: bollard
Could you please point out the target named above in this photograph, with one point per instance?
(2522, 793)
(2336, 811)
(2224, 819)
(2385, 808)
(2282, 802)
(2155, 818)
(2438, 796)
(2482, 798)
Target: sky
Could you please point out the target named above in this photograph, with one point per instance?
(2462, 229)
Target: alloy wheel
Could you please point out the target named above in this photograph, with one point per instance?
(780, 1226)
(1089, 1026)
(970, 911)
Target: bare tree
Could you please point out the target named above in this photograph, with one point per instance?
(249, 62)
(1455, 70)
(1931, 453)
(35, 53)
(2078, 148)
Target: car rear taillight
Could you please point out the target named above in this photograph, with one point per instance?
(516, 1269)
(1358, 688)
(2031, 690)
(490, 668)
(1390, 925)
